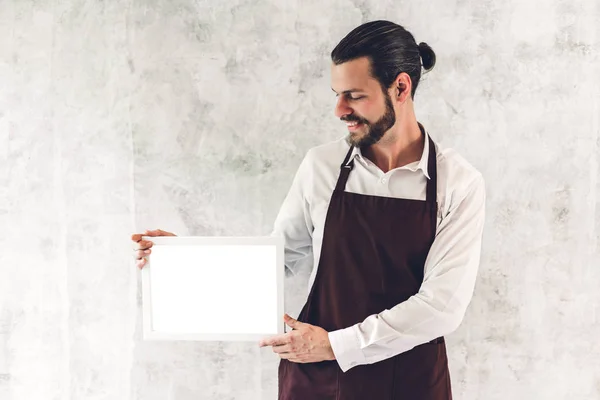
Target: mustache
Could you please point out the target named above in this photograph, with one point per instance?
(351, 118)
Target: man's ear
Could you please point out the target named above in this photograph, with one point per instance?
(400, 88)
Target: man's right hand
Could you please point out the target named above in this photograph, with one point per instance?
(141, 248)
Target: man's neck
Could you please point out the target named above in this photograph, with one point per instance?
(397, 148)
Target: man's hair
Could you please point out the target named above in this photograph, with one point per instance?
(390, 48)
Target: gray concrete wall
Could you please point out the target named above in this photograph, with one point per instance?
(192, 116)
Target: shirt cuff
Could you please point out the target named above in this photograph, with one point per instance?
(346, 348)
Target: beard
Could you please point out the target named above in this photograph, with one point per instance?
(376, 130)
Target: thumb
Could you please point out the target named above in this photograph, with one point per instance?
(291, 322)
(158, 232)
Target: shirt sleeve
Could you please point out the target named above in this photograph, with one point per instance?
(293, 221)
(439, 306)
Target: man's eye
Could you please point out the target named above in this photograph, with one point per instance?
(348, 97)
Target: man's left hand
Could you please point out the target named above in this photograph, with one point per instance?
(306, 343)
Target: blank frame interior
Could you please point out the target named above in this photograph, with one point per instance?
(213, 288)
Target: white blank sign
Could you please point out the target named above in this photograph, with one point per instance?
(213, 288)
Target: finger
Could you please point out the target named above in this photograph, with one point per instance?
(275, 341)
(136, 237)
(291, 322)
(142, 245)
(158, 232)
(141, 263)
(141, 254)
(287, 356)
(286, 348)
(165, 233)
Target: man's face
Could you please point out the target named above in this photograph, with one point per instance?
(366, 108)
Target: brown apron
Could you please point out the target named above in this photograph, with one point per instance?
(373, 257)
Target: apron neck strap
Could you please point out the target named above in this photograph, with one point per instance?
(432, 171)
(345, 169)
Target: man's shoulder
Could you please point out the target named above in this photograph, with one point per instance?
(455, 170)
(330, 153)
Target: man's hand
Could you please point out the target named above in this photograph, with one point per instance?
(305, 344)
(141, 249)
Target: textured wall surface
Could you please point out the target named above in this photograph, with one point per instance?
(193, 115)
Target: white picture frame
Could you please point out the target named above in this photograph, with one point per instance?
(213, 288)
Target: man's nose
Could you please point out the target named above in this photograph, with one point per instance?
(341, 108)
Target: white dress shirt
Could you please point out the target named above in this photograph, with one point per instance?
(451, 265)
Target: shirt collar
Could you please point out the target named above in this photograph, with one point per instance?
(421, 164)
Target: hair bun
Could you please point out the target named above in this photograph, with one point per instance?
(427, 55)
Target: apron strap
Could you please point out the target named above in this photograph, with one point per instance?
(432, 171)
(432, 185)
(345, 169)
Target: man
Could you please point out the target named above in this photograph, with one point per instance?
(394, 226)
